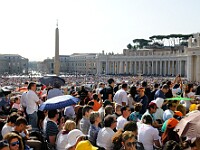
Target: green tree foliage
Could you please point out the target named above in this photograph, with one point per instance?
(141, 43)
(159, 40)
(129, 46)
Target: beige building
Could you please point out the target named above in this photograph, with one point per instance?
(168, 61)
(13, 64)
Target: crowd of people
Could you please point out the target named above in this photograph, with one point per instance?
(118, 114)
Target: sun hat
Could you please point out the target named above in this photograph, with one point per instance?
(85, 145)
(172, 122)
(192, 107)
(159, 102)
(73, 137)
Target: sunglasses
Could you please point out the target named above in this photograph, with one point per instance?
(130, 144)
(14, 143)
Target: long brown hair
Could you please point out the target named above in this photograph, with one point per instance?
(11, 135)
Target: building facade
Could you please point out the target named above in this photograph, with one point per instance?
(13, 64)
(166, 61)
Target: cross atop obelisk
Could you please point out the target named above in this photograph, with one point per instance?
(56, 58)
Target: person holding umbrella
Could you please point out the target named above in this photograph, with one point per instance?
(56, 91)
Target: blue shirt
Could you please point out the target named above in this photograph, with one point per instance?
(54, 92)
(92, 133)
(159, 93)
(84, 125)
(134, 116)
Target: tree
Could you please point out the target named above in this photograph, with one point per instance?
(129, 46)
(141, 43)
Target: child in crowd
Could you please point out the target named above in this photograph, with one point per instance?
(18, 106)
(135, 116)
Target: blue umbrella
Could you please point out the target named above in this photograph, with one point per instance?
(59, 102)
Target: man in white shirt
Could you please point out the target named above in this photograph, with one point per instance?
(23, 97)
(147, 134)
(8, 127)
(32, 105)
(104, 137)
(125, 110)
(121, 96)
(23, 100)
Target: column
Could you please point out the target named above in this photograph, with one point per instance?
(113, 69)
(185, 68)
(143, 67)
(197, 75)
(152, 67)
(161, 67)
(173, 68)
(189, 68)
(177, 67)
(98, 67)
(148, 65)
(165, 68)
(180, 66)
(130, 67)
(107, 67)
(135, 67)
(169, 66)
(139, 70)
(156, 67)
(121, 67)
(127, 67)
(117, 68)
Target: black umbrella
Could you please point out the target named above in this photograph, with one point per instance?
(51, 80)
(4, 92)
(10, 88)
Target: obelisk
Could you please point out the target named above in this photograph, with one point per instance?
(56, 58)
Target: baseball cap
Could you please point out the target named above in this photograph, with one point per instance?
(85, 145)
(153, 103)
(73, 137)
(178, 113)
(172, 122)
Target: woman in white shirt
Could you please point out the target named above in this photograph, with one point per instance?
(61, 140)
(131, 96)
(190, 94)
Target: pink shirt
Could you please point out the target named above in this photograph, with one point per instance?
(17, 106)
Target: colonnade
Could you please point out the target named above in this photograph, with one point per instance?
(145, 67)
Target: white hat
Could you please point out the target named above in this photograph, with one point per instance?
(73, 137)
(159, 102)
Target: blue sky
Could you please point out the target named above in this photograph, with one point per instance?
(28, 27)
